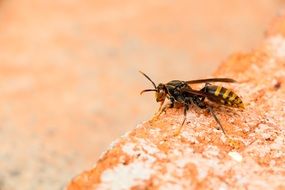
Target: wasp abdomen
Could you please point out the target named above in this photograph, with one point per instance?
(223, 95)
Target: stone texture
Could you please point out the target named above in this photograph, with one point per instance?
(201, 157)
(67, 67)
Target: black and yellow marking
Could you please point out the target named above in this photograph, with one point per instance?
(218, 90)
(224, 96)
(233, 97)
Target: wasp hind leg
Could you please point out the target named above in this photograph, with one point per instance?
(202, 105)
(215, 117)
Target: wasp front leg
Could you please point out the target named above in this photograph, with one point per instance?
(164, 108)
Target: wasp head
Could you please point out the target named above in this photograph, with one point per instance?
(160, 90)
(161, 93)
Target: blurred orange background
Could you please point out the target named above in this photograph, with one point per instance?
(69, 80)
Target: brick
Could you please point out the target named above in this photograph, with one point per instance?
(201, 157)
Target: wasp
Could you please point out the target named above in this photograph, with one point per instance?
(180, 92)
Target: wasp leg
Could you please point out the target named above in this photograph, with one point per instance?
(157, 115)
(178, 131)
(215, 117)
(161, 104)
(202, 105)
(163, 109)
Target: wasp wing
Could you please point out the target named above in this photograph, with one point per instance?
(210, 80)
(194, 92)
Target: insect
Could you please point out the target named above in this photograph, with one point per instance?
(180, 92)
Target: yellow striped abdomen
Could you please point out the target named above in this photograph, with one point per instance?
(223, 95)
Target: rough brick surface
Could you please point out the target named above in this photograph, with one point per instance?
(252, 157)
(67, 67)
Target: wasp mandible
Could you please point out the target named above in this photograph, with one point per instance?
(180, 92)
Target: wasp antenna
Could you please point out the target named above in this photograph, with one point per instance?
(148, 78)
(147, 90)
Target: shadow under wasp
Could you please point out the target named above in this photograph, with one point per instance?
(180, 92)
